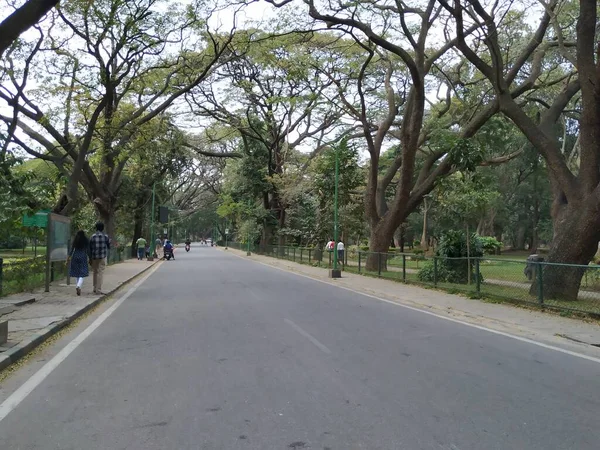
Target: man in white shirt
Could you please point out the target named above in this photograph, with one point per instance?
(340, 250)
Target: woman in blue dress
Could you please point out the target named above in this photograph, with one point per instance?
(79, 259)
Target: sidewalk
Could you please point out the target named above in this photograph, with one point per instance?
(542, 327)
(34, 317)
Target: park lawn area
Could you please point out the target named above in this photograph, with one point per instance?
(8, 254)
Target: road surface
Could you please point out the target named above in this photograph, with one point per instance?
(218, 352)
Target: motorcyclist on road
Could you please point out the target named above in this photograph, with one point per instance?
(188, 241)
(169, 248)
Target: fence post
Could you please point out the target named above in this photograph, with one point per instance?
(379, 264)
(359, 261)
(403, 268)
(478, 275)
(540, 283)
(294, 254)
(301, 252)
(1, 275)
(309, 256)
(435, 271)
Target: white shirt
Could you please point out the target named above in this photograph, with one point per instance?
(340, 245)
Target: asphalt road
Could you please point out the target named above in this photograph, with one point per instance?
(217, 352)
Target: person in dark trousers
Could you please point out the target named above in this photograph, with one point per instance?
(99, 245)
(78, 259)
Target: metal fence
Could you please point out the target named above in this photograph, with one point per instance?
(26, 274)
(486, 277)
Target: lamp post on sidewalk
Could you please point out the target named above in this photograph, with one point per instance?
(248, 235)
(335, 272)
(152, 238)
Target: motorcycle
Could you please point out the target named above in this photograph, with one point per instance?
(187, 247)
(169, 254)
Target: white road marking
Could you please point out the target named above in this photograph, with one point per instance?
(429, 313)
(308, 336)
(27, 388)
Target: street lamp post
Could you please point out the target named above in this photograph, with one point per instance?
(335, 272)
(248, 237)
(152, 239)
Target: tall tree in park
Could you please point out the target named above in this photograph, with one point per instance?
(112, 67)
(576, 56)
(399, 48)
(21, 19)
(274, 99)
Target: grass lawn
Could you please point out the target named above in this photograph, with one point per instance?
(18, 253)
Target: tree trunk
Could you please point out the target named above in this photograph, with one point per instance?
(424, 241)
(402, 239)
(519, 243)
(107, 213)
(499, 239)
(534, 226)
(378, 243)
(576, 236)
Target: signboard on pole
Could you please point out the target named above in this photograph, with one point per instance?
(58, 237)
(163, 214)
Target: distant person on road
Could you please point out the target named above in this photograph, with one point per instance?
(99, 245)
(141, 248)
(78, 259)
(341, 250)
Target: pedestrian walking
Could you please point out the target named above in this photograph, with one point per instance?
(141, 248)
(341, 250)
(158, 247)
(99, 245)
(78, 259)
(330, 245)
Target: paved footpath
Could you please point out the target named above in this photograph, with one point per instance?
(32, 322)
(548, 328)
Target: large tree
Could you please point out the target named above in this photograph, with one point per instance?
(112, 66)
(397, 37)
(575, 57)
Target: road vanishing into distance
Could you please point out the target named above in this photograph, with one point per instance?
(213, 351)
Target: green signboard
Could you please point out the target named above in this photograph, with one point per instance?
(39, 220)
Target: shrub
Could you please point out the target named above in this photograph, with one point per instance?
(490, 244)
(452, 265)
(427, 272)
